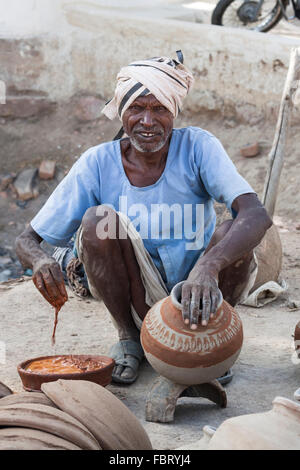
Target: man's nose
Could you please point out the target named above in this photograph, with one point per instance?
(147, 118)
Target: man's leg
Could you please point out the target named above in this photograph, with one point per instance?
(234, 278)
(112, 269)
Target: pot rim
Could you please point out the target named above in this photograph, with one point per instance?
(176, 291)
(287, 403)
(22, 371)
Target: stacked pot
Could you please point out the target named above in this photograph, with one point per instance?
(69, 415)
(277, 429)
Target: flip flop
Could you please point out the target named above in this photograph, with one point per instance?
(135, 355)
(226, 378)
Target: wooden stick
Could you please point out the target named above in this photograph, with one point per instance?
(277, 152)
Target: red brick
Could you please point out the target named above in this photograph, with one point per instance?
(47, 169)
(250, 150)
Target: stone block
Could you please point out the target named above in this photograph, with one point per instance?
(5, 260)
(88, 108)
(5, 275)
(25, 107)
(24, 184)
(6, 180)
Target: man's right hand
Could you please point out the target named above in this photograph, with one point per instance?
(47, 275)
(48, 279)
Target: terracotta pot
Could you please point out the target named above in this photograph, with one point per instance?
(49, 420)
(269, 257)
(278, 429)
(32, 381)
(297, 339)
(202, 444)
(14, 438)
(187, 356)
(113, 425)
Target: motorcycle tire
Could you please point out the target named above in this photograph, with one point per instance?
(222, 5)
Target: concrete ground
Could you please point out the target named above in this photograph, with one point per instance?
(264, 370)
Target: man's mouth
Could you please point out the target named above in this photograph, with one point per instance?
(147, 135)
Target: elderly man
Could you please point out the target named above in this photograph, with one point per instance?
(142, 210)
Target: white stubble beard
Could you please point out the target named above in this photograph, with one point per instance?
(138, 147)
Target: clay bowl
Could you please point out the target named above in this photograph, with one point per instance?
(186, 356)
(32, 381)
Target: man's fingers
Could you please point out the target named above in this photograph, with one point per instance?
(51, 286)
(199, 298)
(185, 302)
(59, 280)
(195, 307)
(206, 307)
(214, 303)
(39, 284)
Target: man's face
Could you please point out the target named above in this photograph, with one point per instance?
(148, 124)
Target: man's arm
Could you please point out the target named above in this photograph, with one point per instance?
(245, 233)
(47, 275)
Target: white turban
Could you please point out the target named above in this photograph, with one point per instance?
(167, 79)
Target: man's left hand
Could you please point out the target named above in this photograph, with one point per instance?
(200, 296)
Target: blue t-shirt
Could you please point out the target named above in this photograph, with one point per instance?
(174, 216)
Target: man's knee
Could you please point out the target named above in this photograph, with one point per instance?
(99, 224)
(96, 214)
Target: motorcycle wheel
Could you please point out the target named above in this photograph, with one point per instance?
(263, 25)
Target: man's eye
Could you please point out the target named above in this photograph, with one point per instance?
(135, 107)
(160, 108)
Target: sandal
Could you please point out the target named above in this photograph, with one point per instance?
(135, 355)
(226, 378)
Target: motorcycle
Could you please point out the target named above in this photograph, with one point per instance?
(261, 15)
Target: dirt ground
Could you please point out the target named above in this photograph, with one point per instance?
(264, 369)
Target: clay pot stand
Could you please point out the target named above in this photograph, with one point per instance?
(162, 398)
